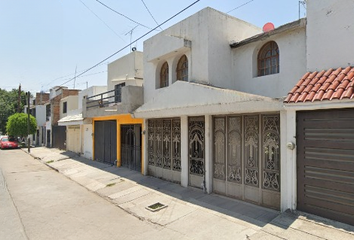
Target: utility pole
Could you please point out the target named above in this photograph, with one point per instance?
(131, 35)
(19, 99)
(28, 122)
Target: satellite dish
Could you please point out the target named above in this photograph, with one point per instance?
(133, 49)
(268, 27)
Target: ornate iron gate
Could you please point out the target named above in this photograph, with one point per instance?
(131, 146)
(164, 144)
(196, 136)
(244, 147)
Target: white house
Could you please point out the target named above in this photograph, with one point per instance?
(215, 111)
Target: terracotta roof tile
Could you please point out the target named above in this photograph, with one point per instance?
(324, 85)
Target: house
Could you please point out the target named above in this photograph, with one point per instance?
(320, 109)
(78, 130)
(220, 114)
(56, 135)
(37, 110)
(117, 137)
(209, 111)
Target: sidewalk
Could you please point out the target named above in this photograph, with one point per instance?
(212, 216)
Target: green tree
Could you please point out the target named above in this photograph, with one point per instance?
(17, 125)
(9, 105)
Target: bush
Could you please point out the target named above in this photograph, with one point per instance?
(17, 125)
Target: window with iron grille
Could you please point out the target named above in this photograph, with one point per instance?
(268, 59)
(164, 75)
(182, 69)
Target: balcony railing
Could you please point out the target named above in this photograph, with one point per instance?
(104, 99)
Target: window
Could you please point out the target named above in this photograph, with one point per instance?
(48, 113)
(118, 92)
(268, 59)
(65, 107)
(164, 75)
(182, 69)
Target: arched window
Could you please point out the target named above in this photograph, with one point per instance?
(268, 59)
(164, 75)
(182, 69)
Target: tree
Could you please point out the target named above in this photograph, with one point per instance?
(9, 105)
(17, 125)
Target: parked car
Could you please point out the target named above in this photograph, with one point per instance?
(8, 142)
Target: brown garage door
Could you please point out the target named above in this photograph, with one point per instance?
(325, 159)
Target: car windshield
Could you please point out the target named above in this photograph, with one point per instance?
(4, 139)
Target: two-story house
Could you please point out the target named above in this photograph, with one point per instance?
(55, 134)
(222, 113)
(117, 137)
(78, 130)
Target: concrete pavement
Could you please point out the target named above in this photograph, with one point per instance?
(189, 211)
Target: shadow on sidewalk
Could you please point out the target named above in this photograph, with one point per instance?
(248, 212)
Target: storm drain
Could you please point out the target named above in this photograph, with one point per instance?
(156, 207)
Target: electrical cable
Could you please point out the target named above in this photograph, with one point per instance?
(102, 21)
(240, 6)
(150, 13)
(123, 15)
(115, 53)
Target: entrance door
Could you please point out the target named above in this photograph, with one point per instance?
(246, 158)
(131, 146)
(196, 135)
(106, 141)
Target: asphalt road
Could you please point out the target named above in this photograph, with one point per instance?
(36, 202)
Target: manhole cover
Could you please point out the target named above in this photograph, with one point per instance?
(156, 207)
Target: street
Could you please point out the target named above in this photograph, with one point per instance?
(40, 203)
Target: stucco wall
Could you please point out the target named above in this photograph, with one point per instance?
(87, 140)
(292, 58)
(72, 104)
(91, 91)
(125, 69)
(40, 115)
(330, 34)
(209, 32)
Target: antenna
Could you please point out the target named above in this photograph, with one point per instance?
(303, 4)
(75, 76)
(131, 34)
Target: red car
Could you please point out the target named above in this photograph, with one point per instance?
(8, 142)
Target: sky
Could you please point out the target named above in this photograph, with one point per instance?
(46, 43)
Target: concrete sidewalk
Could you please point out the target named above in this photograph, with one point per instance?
(189, 211)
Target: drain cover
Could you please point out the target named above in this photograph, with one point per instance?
(156, 207)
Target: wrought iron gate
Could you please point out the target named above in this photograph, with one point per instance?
(131, 146)
(164, 144)
(247, 158)
(196, 132)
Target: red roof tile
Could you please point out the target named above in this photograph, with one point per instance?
(323, 86)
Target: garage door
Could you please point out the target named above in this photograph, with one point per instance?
(325, 141)
(105, 147)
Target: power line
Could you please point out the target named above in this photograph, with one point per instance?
(102, 21)
(115, 53)
(240, 6)
(150, 13)
(123, 15)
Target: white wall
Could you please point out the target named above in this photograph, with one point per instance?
(330, 34)
(40, 115)
(91, 91)
(87, 141)
(128, 68)
(72, 104)
(292, 58)
(209, 33)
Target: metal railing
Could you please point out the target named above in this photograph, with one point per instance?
(103, 99)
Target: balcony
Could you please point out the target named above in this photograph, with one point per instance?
(118, 101)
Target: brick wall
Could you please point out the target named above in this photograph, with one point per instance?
(55, 103)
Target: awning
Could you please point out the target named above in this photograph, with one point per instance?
(75, 119)
(193, 99)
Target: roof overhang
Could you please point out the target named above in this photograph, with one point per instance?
(193, 99)
(76, 119)
(282, 29)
